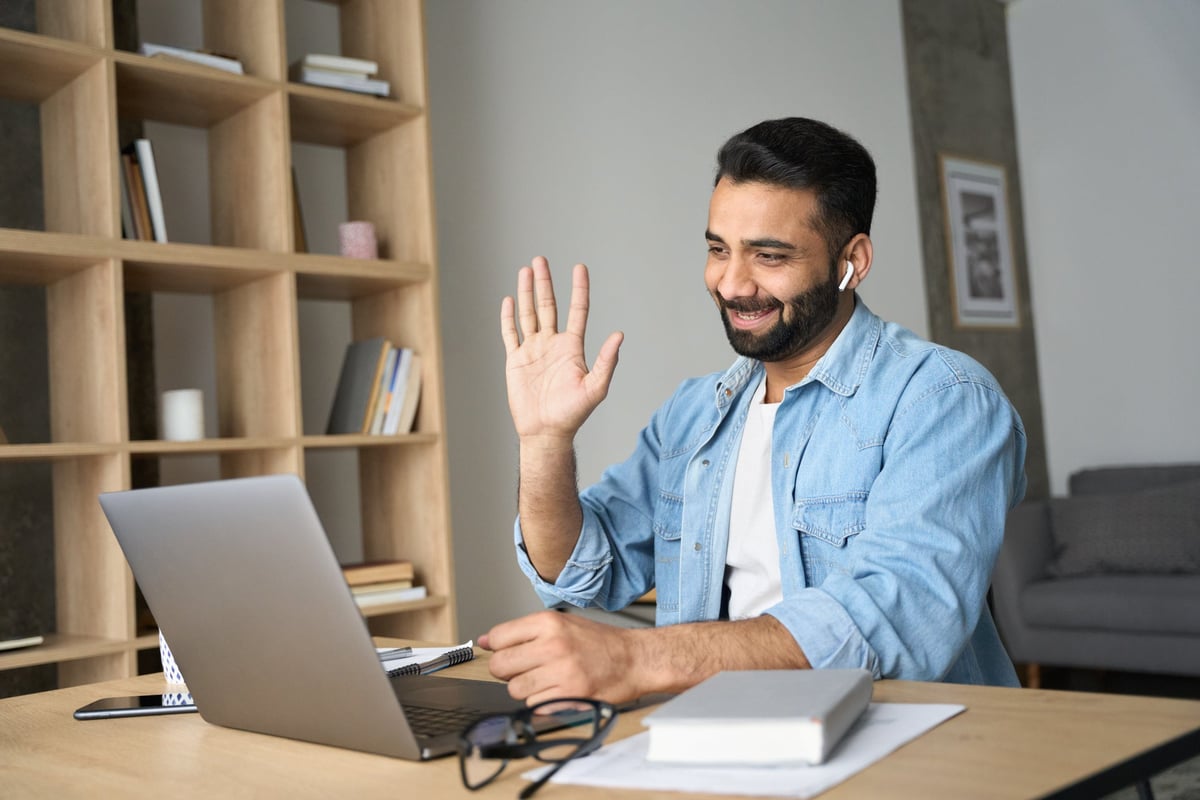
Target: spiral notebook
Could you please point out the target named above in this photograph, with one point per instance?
(424, 660)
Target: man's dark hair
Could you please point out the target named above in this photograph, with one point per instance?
(800, 153)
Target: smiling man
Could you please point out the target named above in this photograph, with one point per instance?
(836, 498)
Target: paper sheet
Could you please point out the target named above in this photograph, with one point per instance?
(883, 727)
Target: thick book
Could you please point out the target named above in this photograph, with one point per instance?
(760, 717)
(367, 572)
(362, 368)
(144, 151)
(225, 63)
(381, 586)
(332, 63)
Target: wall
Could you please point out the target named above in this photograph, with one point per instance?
(587, 132)
(961, 104)
(1107, 114)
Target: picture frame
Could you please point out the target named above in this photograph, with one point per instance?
(983, 281)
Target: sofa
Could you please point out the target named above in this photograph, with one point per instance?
(1106, 578)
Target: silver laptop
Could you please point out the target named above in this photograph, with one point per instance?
(246, 589)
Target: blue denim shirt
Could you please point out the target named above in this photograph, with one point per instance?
(894, 464)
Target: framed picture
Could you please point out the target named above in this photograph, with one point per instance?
(979, 243)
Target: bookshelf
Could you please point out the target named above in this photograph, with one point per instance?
(83, 87)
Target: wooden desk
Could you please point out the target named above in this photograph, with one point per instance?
(1010, 743)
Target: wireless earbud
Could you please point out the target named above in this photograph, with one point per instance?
(849, 274)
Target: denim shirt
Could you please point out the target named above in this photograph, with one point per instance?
(894, 465)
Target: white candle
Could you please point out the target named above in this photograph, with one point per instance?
(183, 415)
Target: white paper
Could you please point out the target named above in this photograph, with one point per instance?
(883, 727)
(419, 655)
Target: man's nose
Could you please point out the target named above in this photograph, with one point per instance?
(737, 279)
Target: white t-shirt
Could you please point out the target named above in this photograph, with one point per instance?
(752, 559)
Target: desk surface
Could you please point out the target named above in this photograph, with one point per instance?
(1009, 743)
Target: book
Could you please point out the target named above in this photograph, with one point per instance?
(412, 396)
(367, 572)
(362, 367)
(27, 641)
(299, 237)
(368, 599)
(383, 396)
(424, 660)
(381, 586)
(144, 152)
(391, 421)
(332, 63)
(226, 63)
(132, 175)
(340, 80)
(128, 231)
(760, 717)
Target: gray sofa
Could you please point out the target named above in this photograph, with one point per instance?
(1107, 578)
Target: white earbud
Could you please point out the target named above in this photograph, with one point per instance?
(849, 274)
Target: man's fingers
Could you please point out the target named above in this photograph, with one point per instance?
(606, 363)
(508, 326)
(526, 313)
(543, 287)
(578, 314)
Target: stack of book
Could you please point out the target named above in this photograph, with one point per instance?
(378, 389)
(376, 583)
(141, 200)
(340, 72)
(202, 57)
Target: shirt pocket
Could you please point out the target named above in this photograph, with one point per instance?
(668, 528)
(826, 526)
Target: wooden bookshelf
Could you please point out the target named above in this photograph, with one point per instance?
(83, 85)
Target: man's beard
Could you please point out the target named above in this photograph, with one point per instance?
(800, 321)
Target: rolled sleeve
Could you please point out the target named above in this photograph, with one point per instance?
(826, 632)
(583, 579)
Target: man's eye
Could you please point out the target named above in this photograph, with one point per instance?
(716, 250)
(772, 258)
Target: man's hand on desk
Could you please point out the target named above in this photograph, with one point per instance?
(550, 654)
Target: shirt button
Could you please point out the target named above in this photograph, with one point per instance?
(705, 462)
(729, 393)
(696, 547)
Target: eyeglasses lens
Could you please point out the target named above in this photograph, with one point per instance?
(477, 767)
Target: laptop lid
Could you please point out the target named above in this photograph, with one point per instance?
(245, 587)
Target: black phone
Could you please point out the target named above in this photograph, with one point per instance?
(137, 706)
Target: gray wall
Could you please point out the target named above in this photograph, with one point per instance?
(587, 132)
(961, 104)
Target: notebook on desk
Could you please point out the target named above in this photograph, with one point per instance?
(245, 587)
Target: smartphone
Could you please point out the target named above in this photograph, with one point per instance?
(137, 706)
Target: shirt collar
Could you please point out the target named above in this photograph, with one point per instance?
(842, 368)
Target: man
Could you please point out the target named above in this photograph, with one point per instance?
(836, 498)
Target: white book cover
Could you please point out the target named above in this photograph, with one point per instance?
(341, 80)
(334, 63)
(145, 157)
(760, 717)
(231, 65)
(368, 599)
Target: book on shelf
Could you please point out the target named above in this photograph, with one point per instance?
(369, 599)
(25, 641)
(339, 80)
(383, 395)
(334, 63)
(412, 396)
(760, 717)
(399, 386)
(128, 230)
(143, 153)
(380, 586)
(131, 180)
(367, 572)
(358, 382)
(221, 62)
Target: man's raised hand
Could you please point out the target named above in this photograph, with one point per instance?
(551, 391)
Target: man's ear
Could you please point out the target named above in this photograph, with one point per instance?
(859, 252)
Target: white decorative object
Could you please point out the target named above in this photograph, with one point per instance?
(183, 415)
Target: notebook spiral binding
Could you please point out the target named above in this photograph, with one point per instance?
(447, 659)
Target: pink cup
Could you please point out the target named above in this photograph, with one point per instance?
(357, 240)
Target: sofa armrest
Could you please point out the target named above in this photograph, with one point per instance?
(1024, 557)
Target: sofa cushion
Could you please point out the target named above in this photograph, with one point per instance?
(1152, 531)
(1151, 604)
(1110, 480)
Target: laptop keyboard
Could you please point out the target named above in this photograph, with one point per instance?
(426, 721)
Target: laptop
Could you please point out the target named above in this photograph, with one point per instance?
(245, 587)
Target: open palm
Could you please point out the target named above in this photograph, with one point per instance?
(551, 391)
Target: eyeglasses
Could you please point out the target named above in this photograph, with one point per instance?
(489, 743)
